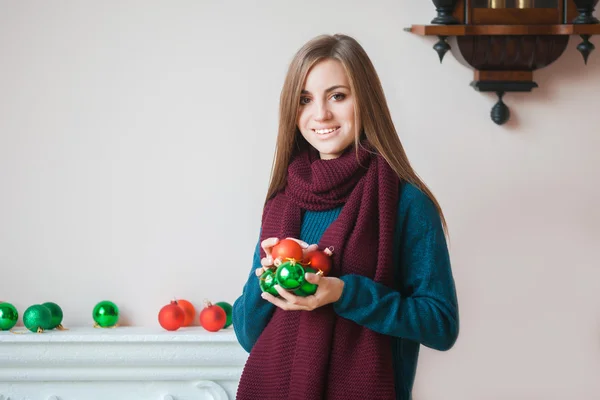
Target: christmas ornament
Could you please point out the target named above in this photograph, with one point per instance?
(171, 316)
(228, 311)
(106, 314)
(266, 282)
(289, 275)
(212, 318)
(37, 318)
(188, 310)
(306, 288)
(319, 260)
(8, 316)
(287, 249)
(56, 315)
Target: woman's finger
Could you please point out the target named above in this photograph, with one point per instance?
(282, 303)
(267, 244)
(292, 299)
(313, 278)
(266, 261)
(310, 248)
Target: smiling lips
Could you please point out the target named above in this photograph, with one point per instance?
(325, 131)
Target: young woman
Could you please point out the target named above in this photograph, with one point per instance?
(341, 179)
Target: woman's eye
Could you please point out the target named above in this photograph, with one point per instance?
(338, 96)
(304, 100)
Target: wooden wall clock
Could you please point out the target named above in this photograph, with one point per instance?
(505, 41)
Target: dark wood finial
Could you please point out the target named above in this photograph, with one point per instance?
(441, 47)
(500, 112)
(585, 47)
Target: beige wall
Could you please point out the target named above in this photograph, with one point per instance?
(136, 140)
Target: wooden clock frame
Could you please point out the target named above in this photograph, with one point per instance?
(505, 41)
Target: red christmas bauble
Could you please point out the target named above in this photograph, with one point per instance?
(212, 318)
(287, 248)
(171, 316)
(318, 260)
(188, 310)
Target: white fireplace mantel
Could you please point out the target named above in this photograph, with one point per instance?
(124, 363)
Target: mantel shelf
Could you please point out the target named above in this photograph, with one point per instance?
(478, 30)
(124, 363)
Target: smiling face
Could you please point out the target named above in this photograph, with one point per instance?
(326, 113)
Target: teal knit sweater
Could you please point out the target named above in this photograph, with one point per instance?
(421, 309)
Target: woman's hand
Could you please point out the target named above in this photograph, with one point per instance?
(329, 291)
(267, 246)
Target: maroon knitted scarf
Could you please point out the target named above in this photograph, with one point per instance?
(308, 355)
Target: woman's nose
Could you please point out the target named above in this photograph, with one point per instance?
(323, 112)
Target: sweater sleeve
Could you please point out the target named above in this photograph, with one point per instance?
(424, 308)
(251, 313)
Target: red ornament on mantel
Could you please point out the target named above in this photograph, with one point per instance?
(171, 316)
(212, 317)
(188, 310)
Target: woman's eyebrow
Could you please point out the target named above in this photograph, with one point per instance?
(328, 90)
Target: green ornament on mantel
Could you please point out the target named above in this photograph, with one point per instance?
(8, 316)
(106, 314)
(37, 318)
(57, 315)
(228, 311)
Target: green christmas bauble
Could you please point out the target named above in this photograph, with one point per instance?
(106, 314)
(306, 288)
(56, 312)
(228, 311)
(37, 318)
(289, 275)
(8, 316)
(266, 282)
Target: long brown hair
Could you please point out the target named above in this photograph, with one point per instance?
(371, 110)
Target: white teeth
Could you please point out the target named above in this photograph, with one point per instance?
(324, 131)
